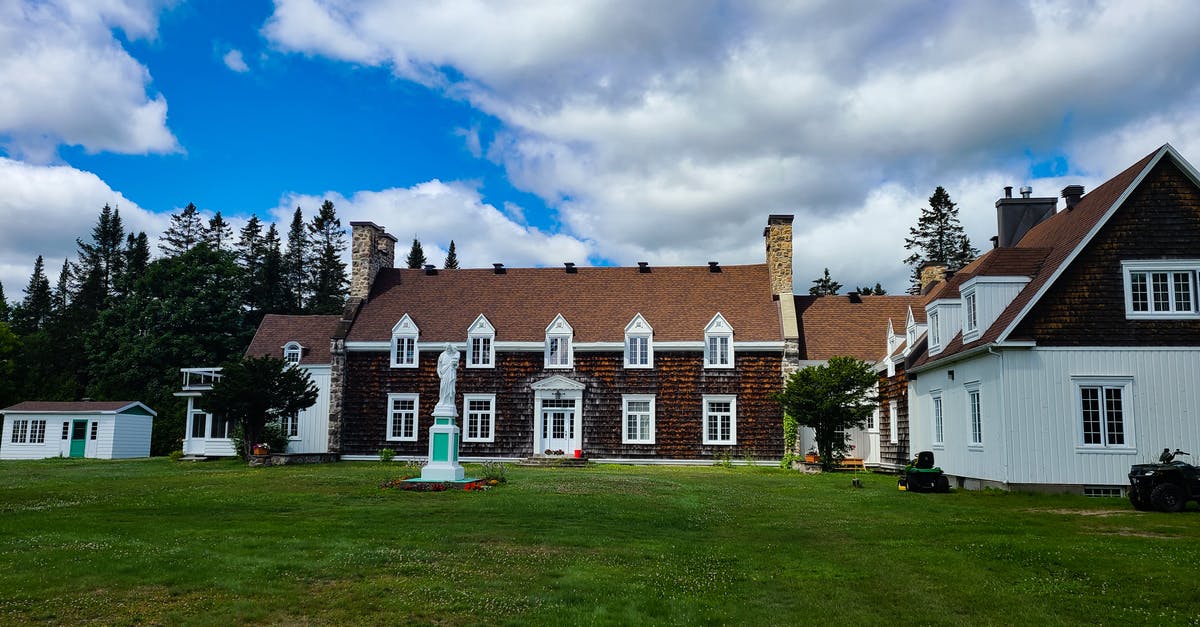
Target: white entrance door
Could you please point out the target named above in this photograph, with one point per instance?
(871, 456)
(558, 424)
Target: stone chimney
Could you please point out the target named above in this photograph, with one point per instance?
(778, 235)
(371, 249)
(1015, 216)
(931, 272)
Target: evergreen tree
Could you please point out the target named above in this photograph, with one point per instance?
(295, 265)
(831, 398)
(451, 258)
(101, 262)
(273, 295)
(872, 291)
(219, 235)
(60, 298)
(137, 258)
(35, 310)
(416, 256)
(327, 272)
(186, 230)
(938, 236)
(249, 247)
(9, 352)
(256, 390)
(824, 286)
(5, 310)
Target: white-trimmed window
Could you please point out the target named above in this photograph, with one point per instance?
(939, 433)
(1102, 404)
(1161, 288)
(481, 344)
(972, 312)
(637, 419)
(292, 351)
(66, 434)
(935, 336)
(95, 429)
(480, 421)
(893, 423)
(291, 425)
(29, 432)
(718, 343)
(639, 343)
(559, 351)
(975, 414)
(402, 417)
(405, 352)
(720, 419)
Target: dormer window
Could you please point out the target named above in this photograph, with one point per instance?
(405, 353)
(292, 351)
(481, 344)
(972, 312)
(910, 329)
(559, 347)
(639, 343)
(935, 336)
(718, 343)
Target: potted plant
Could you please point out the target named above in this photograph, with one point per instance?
(262, 448)
(811, 457)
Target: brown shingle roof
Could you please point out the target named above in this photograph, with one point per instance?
(69, 406)
(1054, 239)
(312, 332)
(835, 325)
(598, 303)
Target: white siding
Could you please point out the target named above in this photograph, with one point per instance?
(102, 446)
(991, 298)
(131, 436)
(949, 320)
(314, 421)
(51, 447)
(956, 456)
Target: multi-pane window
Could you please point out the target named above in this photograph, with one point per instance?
(639, 349)
(292, 352)
(976, 412)
(95, 428)
(558, 351)
(481, 344)
(1160, 289)
(938, 433)
(480, 421)
(405, 352)
(29, 432)
(637, 419)
(481, 352)
(66, 430)
(935, 336)
(718, 343)
(972, 315)
(718, 350)
(291, 425)
(1103, 413)
(402, 417)
(720, 420)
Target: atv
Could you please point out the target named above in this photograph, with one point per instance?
(920, 475)
(1166, 486)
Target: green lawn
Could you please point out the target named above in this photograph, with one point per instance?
(154, 541)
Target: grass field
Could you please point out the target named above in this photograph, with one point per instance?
(155, 541)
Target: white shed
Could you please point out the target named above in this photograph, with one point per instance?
(99, 429)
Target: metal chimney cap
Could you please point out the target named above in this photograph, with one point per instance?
(1026, 191)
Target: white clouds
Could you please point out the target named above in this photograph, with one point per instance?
(437, 212)
(669, 135)
(234, 61)
(43, 208)
(68, 80)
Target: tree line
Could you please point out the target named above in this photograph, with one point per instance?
(118, 324)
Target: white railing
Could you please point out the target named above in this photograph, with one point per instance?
(200, 378)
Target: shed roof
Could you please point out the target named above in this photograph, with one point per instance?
(76, 407)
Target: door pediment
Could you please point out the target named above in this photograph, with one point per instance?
(557, 382)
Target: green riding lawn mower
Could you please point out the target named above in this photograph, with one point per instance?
(1166, 486)
(920, 475)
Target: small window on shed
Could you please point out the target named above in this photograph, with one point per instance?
(95, 427)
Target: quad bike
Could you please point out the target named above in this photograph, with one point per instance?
(1166, 486)
(920, 475)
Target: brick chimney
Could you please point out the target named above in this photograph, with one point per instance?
(371, 249)
(778, 235)
(931, 272)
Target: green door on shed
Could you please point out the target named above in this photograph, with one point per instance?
(78, 438)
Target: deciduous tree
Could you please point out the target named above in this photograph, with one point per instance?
(831, 398)
(256, 390)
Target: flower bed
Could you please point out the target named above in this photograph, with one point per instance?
(439, 486)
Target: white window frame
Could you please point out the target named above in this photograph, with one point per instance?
(974, 411)
(406, 331)
(893, 423)
(970, 315)
(638, 438)
(719, 398)
(935, 336)
(559, 334)
(718, 332)
(28, 431)
(293, 352)
(490, 413)
(391, 417)
(939, 420)
(482, 332)
(287, 422)
(640, 331)
(1125, 385)
(1171, 267)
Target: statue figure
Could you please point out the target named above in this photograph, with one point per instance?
(447, 369)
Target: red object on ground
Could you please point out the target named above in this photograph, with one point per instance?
(578, 453)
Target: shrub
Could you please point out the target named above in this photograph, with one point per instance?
(272, 435)
(494, 471)
(175, 455)
(386, 454)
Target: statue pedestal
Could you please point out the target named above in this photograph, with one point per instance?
(443, 447)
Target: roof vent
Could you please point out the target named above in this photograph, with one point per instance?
(87, 399)
(855, 297)
(569, 267)
(1026, 191)
(714, 266)
(430, 270)
(498, 268)
(643, 267)
(1008, 191)
(995, 241)
(1072, 193)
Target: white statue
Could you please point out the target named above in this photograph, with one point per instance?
(447, 370)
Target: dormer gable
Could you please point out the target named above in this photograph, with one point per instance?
(405, 350)
(718, 343)
(292, 353)
(984, 298)
(560, 345)
(639, 343)
(943, 320)
(481, 343)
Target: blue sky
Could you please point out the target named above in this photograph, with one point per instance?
(592, 131)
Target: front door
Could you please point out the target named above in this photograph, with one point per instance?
(78, 437)
(557, 427)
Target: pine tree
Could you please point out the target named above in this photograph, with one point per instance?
(295, 265)
(873, 291)
(186, 230)
(60, 298)
(35, 309)
(938, 236)
(137, 258)
(5, 310)
(249, 245)
(416, 256)
(451, 258)
(100, 263)
(219, 235)
(327, 273)
(824, 286)
(273, 296)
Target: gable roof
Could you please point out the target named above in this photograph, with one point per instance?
(1056, 241)
(597, 302)
(76, 407)
(836, 325)
(312, 332)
